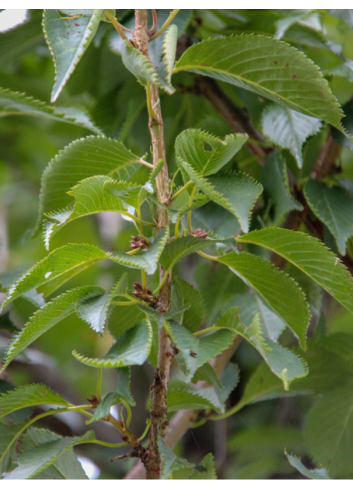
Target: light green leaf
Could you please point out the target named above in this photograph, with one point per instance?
(234, 191)
(95, 309)
(334, 208)
(170, 462)
(181, 247)
(156, 170)
(250, 305)
(104, 406)
(147, 261)
(209, 464)
(15, 103)
(310, 256)
(68, 38)
(280, 291)
(316, 474)
(138, 64)
(288, 129)
(34, 460)
(54, 270)
(282, 362)
(79, 160)
(178, 399)
(66, 467)
(90, 198)
(268, 67)
(29, 395)
(276, 187)
(47, 317)
(206, 153)
(195, 351)
(329, 432)
(128, 192)
(192, 317)
(169, 48)
(132, 348)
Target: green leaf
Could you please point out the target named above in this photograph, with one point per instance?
(132, 348)
(122, 318)
(55, 269)
(250, 305)
(279, 291)
(288, 129)
(33, 461)
(156, 170)
(276, 187)
(161, 317)
(29, 395)
(138, 64)
(195, 351)
(122, 386)
(90, 198)
(268, 67)
(128, 192)
(95, 309)
(316, 474)
(8, 439)
(218, 395)
(170, 462)
(192, 317)
(68, 38)
(169, 48)
(15, 103)
(79, 160)
(310, 256)
(147, 261)
(179, 248)
(47, 317)
(178, 399)
(329, 429)
(206, 153)
(7, 325)
(333, 207)
(66, 467)
(282, 362)
(209, 464)
(234, 191)
(206, 373)
(104, 406)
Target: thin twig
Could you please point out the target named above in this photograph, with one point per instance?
(116, 24)
(166, 23)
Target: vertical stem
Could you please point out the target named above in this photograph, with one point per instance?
(165, 353)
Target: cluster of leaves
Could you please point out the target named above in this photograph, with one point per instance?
(217, 185)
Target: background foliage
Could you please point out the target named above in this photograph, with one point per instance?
(303, 162)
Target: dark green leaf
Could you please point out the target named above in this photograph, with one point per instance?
(270, 68)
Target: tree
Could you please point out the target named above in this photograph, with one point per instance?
(229, 158)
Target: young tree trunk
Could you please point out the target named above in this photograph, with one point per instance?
(165, 353)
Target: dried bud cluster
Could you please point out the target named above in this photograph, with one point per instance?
(198, 233)
(93, 400)
(146, 295)
(137, 242)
